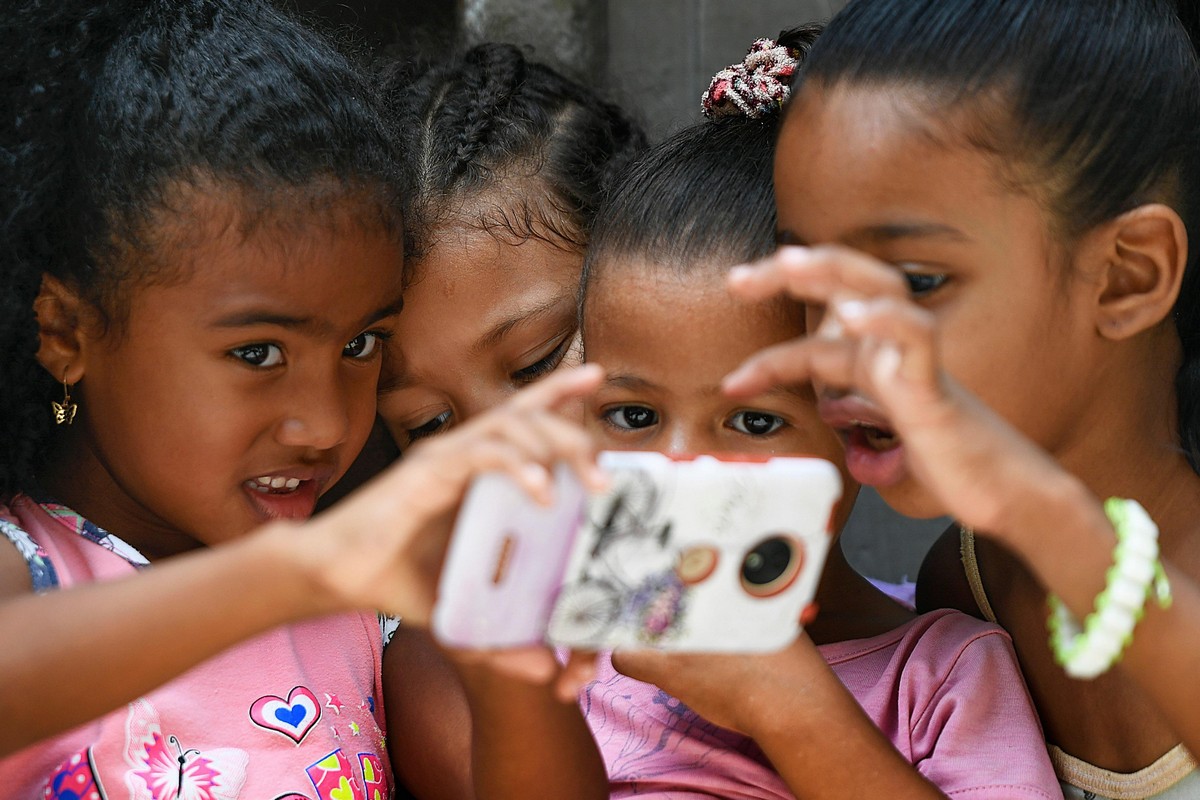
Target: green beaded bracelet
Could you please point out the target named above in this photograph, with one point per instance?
(1091, 650)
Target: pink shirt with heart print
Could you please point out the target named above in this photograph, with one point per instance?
(291, 714)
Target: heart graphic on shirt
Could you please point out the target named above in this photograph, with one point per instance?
(344, 791)
(293, 717)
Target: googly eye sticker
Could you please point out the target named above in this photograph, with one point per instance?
(771, 566)
(695, 564)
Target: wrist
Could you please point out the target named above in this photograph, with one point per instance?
(1048, 503)
(793, 700)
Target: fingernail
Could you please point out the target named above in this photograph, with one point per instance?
(831, 327)
(851, 310)
(887, 363)
(597, 479)
(537, 478)
(733, 381)
(740, 273)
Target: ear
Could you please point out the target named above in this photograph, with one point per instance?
(60, 315)
(1145, 251)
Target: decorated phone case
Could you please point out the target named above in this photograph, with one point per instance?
(699, 554)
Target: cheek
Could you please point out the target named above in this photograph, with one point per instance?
(818, 440)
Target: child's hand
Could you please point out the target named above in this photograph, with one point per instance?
(876, 342)
(385, 544)
(739, 692)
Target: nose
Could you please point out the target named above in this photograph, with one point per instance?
(318, 415)
(683, 439)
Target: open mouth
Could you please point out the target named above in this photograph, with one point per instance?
(282, 496)
(274, 484)
(873, 437)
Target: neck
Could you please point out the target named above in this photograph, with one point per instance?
(1128, 446)
(849, 606)
(77, 478)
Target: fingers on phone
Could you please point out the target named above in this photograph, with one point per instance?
(579, 671)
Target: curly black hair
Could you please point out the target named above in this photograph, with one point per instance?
(108, 105)
(491, 119)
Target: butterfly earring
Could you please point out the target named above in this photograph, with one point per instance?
(64, 412)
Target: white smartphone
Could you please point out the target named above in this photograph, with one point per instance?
(699, 554)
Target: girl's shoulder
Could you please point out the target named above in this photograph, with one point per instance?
(943, 581)
(936, 637)
(25, 565)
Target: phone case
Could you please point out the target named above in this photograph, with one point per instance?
(505, 562)
(699, 555)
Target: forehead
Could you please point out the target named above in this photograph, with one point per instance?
(324, 264)
(849, 153)
(683, 324)
(465, 257)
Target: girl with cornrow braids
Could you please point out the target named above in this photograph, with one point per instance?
(507, 160)
(200, 261)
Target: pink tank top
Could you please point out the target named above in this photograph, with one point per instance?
(291, 714)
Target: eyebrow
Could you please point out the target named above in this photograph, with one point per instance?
(886, 232)
(497, 333)
(253, 317)
(630, 382)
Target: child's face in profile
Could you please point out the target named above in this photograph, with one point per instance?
(871, 169)
(483, 317)
(666, 342)
(240, 391)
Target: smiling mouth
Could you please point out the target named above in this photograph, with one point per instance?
(273, 484)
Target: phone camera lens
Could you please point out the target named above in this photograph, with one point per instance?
(771, 566)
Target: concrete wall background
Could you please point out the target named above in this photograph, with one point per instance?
(656, 57)
(662, 54)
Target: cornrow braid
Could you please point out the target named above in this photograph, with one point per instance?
(489, 116)
(489, 85)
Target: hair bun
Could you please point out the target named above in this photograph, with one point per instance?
(755, 88)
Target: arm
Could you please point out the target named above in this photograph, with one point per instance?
(526, 742)
(978, 467)
(814, 732)
(460, 728)
(139, 632)
(380, 549)
(428, 719)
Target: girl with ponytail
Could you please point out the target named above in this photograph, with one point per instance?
(992, 211)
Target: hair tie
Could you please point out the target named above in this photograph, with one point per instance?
(755, 88)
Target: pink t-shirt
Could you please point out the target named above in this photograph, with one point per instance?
(944, 688)
(290, 714)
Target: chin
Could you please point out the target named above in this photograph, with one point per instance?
(911, 500)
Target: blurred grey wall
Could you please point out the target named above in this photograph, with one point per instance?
(656, 57)
(662, 54)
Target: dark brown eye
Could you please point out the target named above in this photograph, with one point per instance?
(631, 417)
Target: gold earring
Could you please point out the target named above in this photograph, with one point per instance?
(64, 412)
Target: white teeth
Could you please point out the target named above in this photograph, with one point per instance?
(268, 483)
